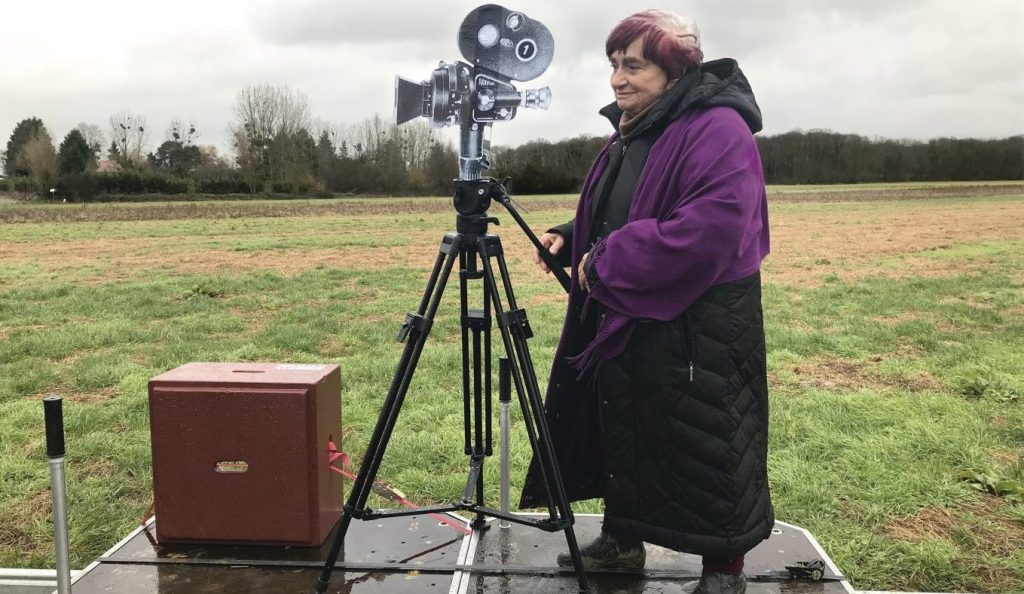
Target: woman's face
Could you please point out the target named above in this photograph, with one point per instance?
(637, 82)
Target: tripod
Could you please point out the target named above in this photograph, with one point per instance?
(477, 252)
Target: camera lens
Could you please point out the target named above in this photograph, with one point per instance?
(487, 36)
(514, 21)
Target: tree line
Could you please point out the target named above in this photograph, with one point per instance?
(279, 148)
(825, 157)
(798, 157)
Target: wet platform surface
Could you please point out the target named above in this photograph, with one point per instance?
(419, 554)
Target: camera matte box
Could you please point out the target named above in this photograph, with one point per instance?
(240, 452)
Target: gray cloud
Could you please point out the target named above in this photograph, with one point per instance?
(326, 22)
(917, 68)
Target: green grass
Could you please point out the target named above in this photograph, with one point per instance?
(885, 385)
(846, 461)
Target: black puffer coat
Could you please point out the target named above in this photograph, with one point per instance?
(685, 411)
(680, 462)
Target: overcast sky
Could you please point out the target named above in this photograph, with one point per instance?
(891, 68)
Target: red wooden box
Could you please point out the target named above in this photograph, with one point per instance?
(240, 452)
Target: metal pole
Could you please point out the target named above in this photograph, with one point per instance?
(505, 399)
(53, 414)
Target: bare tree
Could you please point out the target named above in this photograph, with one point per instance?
(409, 143)
(398, 158)
(371, 134)
(334, 130)
(179, 131)
(272, 127)
(40, 158)
(94, 137)
(250, 158)
(130, 136)
(416, 141)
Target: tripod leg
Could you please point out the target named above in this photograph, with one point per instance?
(514, 332)
(415, 329)
(476, 323)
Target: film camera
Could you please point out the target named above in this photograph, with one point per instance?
(500, 46)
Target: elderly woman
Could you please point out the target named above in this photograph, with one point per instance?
(658, 398)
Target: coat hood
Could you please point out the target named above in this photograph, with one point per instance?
(716, 83)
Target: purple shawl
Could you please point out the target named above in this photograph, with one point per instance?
(699, 218)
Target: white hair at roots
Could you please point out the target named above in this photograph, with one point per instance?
(681, 26)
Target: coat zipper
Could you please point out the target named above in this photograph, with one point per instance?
(688, 338)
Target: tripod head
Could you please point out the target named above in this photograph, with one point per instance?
(473, 196)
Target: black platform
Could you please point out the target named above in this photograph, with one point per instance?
(419, 555)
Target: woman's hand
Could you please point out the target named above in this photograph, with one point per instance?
(581, 272)
(553, 243)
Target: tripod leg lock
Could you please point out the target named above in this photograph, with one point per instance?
(413, 321)
(516, 321)
(476, 319)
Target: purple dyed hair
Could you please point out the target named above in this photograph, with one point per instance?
(670, 41)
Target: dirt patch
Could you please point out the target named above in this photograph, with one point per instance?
(1004, 458)
(984, 519)
(809, 246)
(234, 209)
(96, 468)
(17, 520)
(854, 194)
(919, 382)
(200, 207)
(980, 527)
(112, 260)
(556, 297)
(98, 397)
(906, 316)
(848, 242)
(844, 374)
(831, 374)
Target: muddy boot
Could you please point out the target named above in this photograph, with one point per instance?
(607, 552)
(717, 583)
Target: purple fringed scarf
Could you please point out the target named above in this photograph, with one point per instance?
(699, 218)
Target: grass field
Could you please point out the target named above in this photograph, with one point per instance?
(895, 322)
